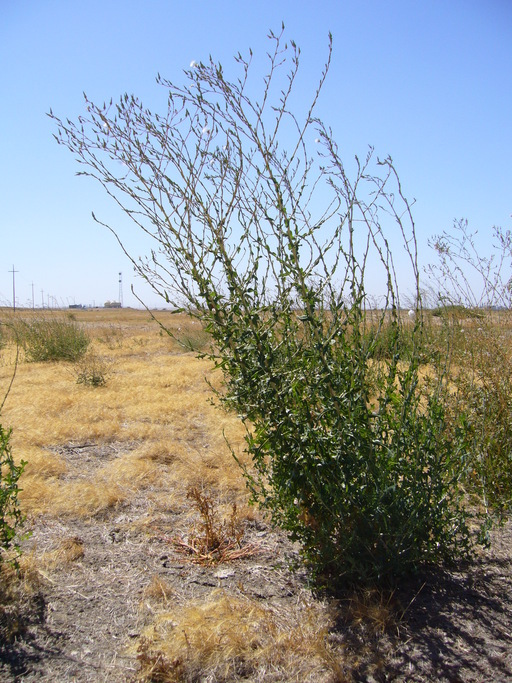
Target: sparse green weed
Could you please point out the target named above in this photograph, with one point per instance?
(92, 370)
(194, 338)
(49, 338)
(112, 337)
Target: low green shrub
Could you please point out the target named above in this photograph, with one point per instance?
(52, 339)
(456, 312)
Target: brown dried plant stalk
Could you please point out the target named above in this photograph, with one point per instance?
(214, 540)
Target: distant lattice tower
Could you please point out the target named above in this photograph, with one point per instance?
(121, 289)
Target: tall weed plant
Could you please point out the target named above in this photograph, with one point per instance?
(11, 518)
(272, 247)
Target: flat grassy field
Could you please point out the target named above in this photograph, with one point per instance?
(146, 563)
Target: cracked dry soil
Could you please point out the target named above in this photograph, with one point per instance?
(83, 624)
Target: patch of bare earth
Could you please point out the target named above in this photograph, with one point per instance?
(93, 604)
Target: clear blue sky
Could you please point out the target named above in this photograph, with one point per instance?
(428, 82)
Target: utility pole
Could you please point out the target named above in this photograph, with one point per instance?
(33, 303)
(14, 288)
(42, 298)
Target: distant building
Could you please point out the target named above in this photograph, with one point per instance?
(112, 304)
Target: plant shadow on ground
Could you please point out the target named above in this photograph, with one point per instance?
(22, 656)
(444, 625)
(20, 650)
(459, 627)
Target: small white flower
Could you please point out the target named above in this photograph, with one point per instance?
(317, 140)
(411, 314)
(206, 130)
(193, 64)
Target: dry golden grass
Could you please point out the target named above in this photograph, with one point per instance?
(154, 407)
(223, 637)
(66, 551)
(159, 591)
(157, 435)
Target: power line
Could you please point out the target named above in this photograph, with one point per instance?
(13, 288)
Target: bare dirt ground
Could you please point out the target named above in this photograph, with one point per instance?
(84, 622)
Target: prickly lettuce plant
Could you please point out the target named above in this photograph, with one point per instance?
(278, 252)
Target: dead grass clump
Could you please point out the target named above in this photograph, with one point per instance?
(158, 590)
(89, 498)
(80, 498)
(372, 609)
(128, 469)
(67, 551)
(158, 452)
(71, 549)
(42, 463)
(227, 638)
